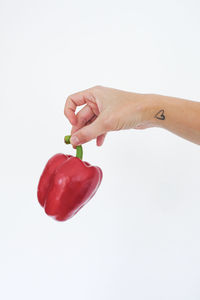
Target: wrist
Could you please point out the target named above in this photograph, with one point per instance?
(153, 111)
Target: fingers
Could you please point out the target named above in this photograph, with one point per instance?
(100, 139)
(89, 132)
(75, 100)
(83, 117)
(87, 124)
(70, 108)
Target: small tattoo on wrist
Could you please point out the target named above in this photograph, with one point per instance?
(160, 115)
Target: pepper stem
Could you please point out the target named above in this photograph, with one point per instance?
(79, 149)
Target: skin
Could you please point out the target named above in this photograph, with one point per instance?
(107, 109)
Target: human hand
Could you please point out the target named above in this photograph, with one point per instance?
(105, 109)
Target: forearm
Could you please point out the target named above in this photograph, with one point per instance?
(177, 115)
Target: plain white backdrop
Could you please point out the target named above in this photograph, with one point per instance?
(139, 237)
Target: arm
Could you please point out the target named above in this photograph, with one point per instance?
(108, 109)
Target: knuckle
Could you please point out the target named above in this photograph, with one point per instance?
(67, 102)
(82, 138)
(82, 120)
(66, 112)
(97, 87)
(68, 98)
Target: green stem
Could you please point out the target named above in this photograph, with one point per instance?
(79, 149)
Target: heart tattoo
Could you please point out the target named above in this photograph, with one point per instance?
(160, 115)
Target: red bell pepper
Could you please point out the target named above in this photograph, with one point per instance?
(67, 184)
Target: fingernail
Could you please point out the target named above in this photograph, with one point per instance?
(74, 140)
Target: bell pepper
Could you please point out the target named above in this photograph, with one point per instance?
(67, 183)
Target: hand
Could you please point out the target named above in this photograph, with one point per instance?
(106, 109)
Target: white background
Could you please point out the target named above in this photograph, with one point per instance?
(139, 237)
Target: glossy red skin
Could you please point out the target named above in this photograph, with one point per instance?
(66, 185)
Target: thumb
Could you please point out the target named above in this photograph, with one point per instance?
(88, 133)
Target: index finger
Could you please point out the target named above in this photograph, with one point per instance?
(75, 100)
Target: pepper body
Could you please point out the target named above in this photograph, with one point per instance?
(66, 185)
